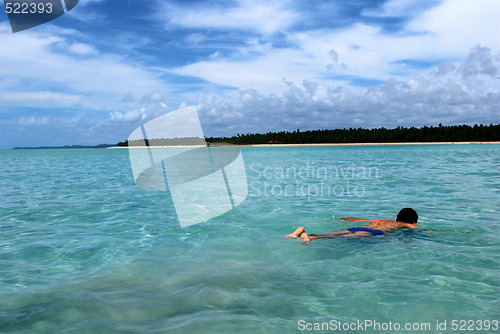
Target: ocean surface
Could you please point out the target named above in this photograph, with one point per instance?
(84, 250)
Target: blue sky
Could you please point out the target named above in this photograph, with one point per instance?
(95, 74)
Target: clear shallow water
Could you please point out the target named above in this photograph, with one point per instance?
(83, 250)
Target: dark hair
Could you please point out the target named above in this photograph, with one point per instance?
(407, 215)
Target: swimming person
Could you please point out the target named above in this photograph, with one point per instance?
(406, 218)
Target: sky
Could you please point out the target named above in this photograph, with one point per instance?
(95, 74)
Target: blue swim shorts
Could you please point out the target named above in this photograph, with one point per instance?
(365, 229)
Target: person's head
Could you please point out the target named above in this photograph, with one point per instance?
(407, 215)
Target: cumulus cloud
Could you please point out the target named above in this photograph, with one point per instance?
(444, 69)
(480, 61)
(440, 95)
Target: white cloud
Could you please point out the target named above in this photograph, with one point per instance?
(444, 32)
(81, 49)
(425, 99)
(38, 61)
(478, 62)
(195, 38)
(32, 120)
(35, 99)
(334, 55)
(458, 23)
(265, 17)
(216, 54)
(260, 66)
(364, 50)
(444, 69)
(153, 97)
(399, 8)
(87, 2)
(51, 122)
(128, 98)
(84, 13)
(129, 116)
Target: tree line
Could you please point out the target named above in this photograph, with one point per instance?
(457, 133)
(440, 133)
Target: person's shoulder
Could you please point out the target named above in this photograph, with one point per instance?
(385, 221)
(407, 225)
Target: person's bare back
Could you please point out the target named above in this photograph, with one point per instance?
(388, 225)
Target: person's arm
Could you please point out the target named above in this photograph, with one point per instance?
(430, 229)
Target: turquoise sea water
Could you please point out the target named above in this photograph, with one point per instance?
(83, 250)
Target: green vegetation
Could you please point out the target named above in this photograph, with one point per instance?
(457, 133)
(382, 135)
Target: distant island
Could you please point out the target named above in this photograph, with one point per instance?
(440, 133)
(60, 147)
